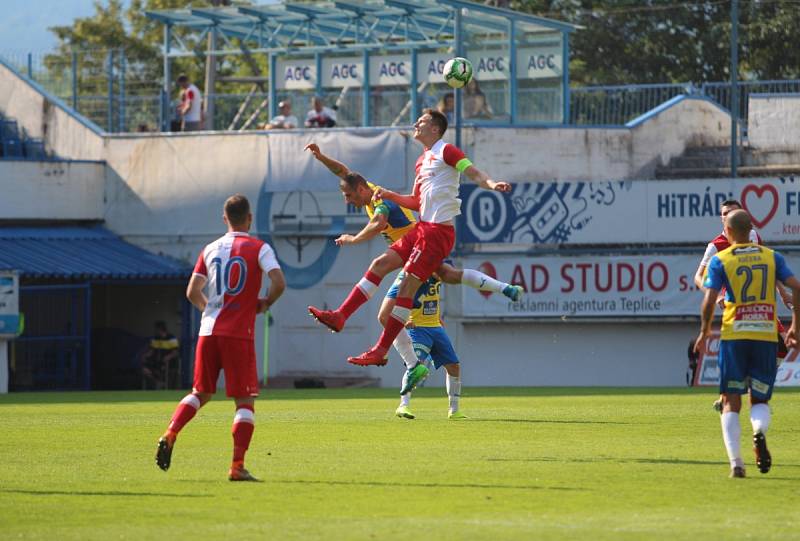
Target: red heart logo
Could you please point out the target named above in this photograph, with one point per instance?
(758, 191)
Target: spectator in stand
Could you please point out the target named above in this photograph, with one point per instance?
(475, 103)
(160, 363)
(285, 120)
(190, 109)
(446, 106)
(320, 116)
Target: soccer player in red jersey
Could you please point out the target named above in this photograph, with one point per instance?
(231, 268)
(423, 249)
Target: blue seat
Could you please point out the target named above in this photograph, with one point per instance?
(34, 149)
(12, 147)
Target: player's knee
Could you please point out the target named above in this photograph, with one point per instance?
(204, 398)
(448, 275)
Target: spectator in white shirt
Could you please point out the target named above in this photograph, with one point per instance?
(190, 108)
(320, 116)
(285, 120)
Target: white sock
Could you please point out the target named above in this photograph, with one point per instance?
(732, 435)
(405, 348)
(759, 418)
(405, 399)
(481, 282)
(453, 391)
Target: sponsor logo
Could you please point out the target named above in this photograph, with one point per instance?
(760, 211)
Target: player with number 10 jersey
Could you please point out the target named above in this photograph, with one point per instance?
(234, 266)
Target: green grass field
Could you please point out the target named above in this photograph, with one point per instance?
(529, 464)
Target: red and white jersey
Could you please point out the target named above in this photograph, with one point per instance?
(234, 266)
(194, 113)
(720, 243)
(437, 182)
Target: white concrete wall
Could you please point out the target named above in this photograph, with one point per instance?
(52, 190)
(773, 122)
(574, 153)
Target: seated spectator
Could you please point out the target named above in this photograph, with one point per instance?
(160, 362)
(475, 103)
(446, 106)
(320, 116)
(285, 120)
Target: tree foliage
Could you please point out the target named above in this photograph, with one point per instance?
(661, 41)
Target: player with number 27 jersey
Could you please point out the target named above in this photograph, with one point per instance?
(234, 266)
(748, 273)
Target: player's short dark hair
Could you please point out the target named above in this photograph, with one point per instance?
(182, 78)
(731, 203)
(739, 221)
(354, 179)
(237, 208)
(439, 119)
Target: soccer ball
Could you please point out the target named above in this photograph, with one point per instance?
(457, 72)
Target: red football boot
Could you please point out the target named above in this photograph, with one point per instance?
(374, 357)
(330, 318)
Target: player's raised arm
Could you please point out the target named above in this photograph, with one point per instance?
(411, 201)
(374, 227)
(334, 166)
(482, 179)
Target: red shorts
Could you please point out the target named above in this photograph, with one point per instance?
(236, 356)
(425, 247)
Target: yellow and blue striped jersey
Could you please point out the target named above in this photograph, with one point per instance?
(399, 220)
(748, 273)
(429, 313)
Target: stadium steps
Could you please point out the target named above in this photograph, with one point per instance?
(714, 162)
(14, 143)
(316, 380)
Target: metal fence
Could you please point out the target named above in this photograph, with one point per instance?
(105, 87)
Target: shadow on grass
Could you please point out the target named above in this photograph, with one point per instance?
(548, 421)
(421, 485)
(109, 397)
(100, 493)
(594, 460)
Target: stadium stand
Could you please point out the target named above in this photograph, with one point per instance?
(15, 144)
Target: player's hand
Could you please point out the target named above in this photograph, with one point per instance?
(262, 306)
(344, 239)
(700, 345)
(314, 149)
(721, 301)
(410, 325)
(499, 186)
(786, 297)
(380, 193)
(791, 337)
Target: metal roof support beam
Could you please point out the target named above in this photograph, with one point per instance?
(512, 71)
(165, 89)
(459, 50)
(365, 120)
(565, 77)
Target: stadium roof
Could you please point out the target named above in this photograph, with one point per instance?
(74, 252)
(343, 25)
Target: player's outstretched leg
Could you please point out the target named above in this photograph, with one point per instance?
(361, 293)
(759, 418)
(242, 431)
(480, 281)
(186, 410)
(394, 325)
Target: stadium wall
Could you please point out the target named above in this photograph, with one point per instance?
(52, 190)
(773, 122)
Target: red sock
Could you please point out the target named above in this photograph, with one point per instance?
(243, 426)
(397, 320)
(184, 413)
(360, 294)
